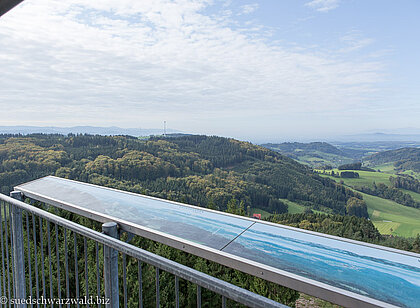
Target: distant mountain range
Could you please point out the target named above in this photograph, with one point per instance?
(91, 130)
(379, 136)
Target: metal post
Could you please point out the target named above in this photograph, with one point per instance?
(18, 252)
(111, 267)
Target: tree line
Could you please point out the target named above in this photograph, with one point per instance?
(405, 182)
(388, 192)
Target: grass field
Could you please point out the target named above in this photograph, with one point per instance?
(293, 207)
(412, 173)
(388, 216)
(389, 168)
(366, 178)
(317, 158)
(393, 218)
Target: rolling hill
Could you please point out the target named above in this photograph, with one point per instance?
(403, 159)
(315, 154)
(200, 170)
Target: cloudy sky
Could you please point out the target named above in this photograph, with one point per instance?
(254, 70)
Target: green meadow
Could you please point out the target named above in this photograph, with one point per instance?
(393, 218)
(293, 207)
(366, 178)
(389, 168)
(388, 216)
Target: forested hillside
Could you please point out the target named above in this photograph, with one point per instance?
(403, 159)
(200, 170)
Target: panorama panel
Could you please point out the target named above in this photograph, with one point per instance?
(189, 223)
(381, 274)
(353, 268)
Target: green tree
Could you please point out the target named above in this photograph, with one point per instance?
(357, 207)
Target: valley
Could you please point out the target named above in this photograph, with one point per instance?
(385, 159)
(388, 216)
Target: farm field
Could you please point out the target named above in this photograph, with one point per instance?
(293, 207)
(320, 158)
(393, 218)
(389, 168)
(366, 178)
(388, 216)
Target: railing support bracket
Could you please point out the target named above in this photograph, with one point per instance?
(18, 252)
(111, 266)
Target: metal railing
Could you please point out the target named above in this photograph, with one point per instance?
(46, 261)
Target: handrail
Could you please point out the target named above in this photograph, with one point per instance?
(206, 281)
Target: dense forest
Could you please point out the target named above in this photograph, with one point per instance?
(198, 170)
(355, 166)
(349, 174)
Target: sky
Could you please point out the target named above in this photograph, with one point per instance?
(268, 70)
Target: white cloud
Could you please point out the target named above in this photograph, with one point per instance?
(128, 62)
(354, 41)
(323, 5)
(249, 8)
